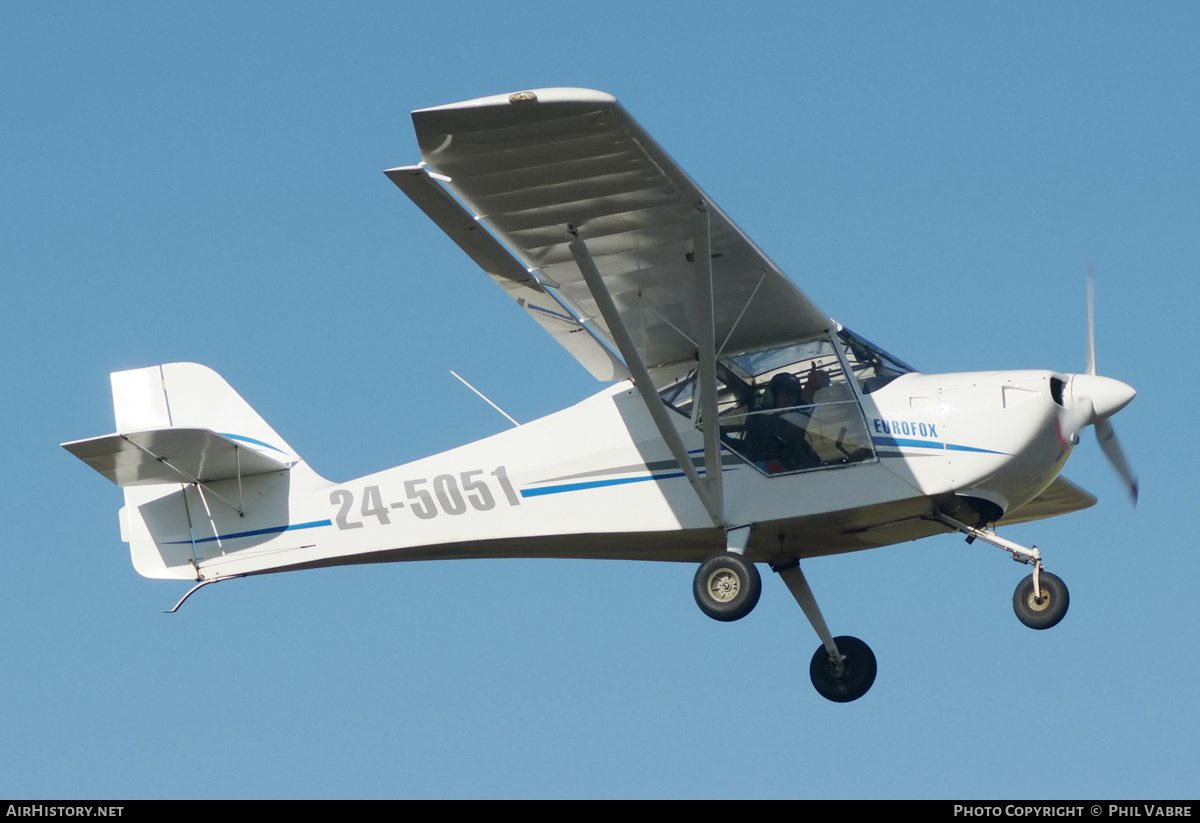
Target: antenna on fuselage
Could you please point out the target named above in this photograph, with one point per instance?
(484, 396)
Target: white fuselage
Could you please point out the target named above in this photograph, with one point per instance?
(596, 480)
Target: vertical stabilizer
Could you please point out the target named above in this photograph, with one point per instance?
(188, 395)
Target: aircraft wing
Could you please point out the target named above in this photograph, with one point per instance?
(1060, 497)
(536, 166)
(586, 343)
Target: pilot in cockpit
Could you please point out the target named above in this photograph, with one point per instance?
(775, 435)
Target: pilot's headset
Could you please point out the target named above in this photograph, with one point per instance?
(782, 382)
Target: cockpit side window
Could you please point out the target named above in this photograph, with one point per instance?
(679, 395)
(797, 412)
(792, 408)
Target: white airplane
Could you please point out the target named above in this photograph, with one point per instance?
(744, 425)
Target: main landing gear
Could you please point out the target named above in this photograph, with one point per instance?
(1041, 599)
(848, 678)
(727, 587)
(842, 668)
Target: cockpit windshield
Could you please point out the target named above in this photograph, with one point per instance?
(872, 366)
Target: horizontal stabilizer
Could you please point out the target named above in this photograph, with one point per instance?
(1060, 497)
(174, 455)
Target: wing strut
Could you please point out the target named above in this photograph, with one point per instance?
(707, 356)
(641, 376)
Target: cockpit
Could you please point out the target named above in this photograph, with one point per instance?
(795, 408)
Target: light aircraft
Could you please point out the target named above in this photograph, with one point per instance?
(742, 425)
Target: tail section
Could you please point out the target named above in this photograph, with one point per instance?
(204, 475)
(188, 395)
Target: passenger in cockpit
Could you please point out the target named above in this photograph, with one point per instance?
(817, 379)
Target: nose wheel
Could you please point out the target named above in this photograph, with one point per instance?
(1041, 599)
(1041, 603)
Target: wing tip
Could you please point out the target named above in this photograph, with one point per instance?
(524, 97)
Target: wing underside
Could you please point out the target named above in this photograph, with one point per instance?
(1060, 497)
(585, 342)
(538, 168)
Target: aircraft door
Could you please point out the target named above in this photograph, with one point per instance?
(791, 409)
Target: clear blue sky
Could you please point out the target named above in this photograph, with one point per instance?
(204, 184)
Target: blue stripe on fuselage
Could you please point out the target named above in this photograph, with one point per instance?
(594, 484)
(256, 532)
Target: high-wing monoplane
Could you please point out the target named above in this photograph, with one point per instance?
(743, 426)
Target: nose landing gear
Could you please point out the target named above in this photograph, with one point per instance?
(1041, 599)
(1041, 604)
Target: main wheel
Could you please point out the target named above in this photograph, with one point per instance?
(727, 587)
(1045, 611)
(856, 677)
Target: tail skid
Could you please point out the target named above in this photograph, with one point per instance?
(195, 589)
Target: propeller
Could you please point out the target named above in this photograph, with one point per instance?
(1112, 450)
(1095, 399)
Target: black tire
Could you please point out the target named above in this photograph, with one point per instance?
(858, 671)
(727, 587)
(1052, 606)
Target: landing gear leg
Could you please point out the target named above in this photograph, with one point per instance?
(1041, 599)
(843, 668)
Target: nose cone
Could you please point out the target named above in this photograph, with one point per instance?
(1105, 395)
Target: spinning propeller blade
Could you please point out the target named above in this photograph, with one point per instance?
(1091, 314)
(1112, 450)
(1106, 396)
